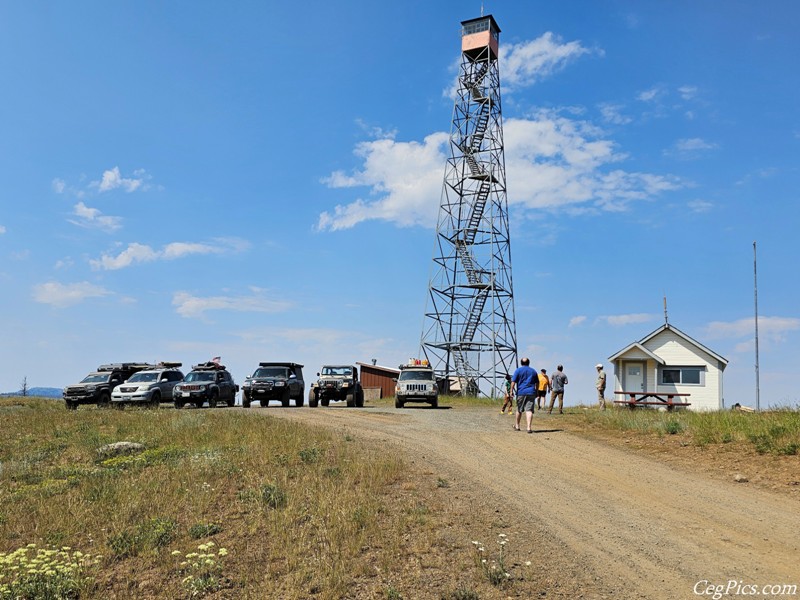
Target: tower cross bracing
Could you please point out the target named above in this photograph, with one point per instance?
(469, 331)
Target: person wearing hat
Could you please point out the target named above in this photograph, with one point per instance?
(544, 387)
(600, 384)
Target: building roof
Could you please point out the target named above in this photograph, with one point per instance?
(676, 331)
(637, 346)
(379, 368)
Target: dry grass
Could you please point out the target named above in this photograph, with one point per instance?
(300, 513)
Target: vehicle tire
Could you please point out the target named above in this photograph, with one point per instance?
(435, 403)
(245, 401)
(212, 402)
(232, 401)
(398, 403)
(285, 398)
(360, 398)
(299, 401)
(325, 401)
(179, 404)
(350, 400)
(103, 402)
(71, 405)
(312, 399)
(199, 403)
(155, 400)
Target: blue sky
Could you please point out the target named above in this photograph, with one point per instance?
(261, 181)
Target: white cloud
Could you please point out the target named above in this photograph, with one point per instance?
(693, 144)
(2, 230)
(575, 321)
(191, 306)
(113, 179)
(407, 177)
(772, 329)
(59, 185)
(629, 319)
(650, 95)
(63, 295)
(699, 206)
(611, 113)
(92, 218)
(551, 161)
(687, 92)
(137, 253)
(528, 62)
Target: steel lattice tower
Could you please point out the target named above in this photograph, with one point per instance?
(469, 331)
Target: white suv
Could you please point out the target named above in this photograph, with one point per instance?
(416, 383)
(152, 386)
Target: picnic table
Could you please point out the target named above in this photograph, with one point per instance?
(666, 399)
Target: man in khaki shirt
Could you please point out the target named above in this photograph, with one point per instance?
(600, 384)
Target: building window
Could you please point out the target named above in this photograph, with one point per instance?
(475, 27)
(683, 376)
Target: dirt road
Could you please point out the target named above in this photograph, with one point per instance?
(610, 523)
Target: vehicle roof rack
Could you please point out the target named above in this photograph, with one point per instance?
(124, 366)
(169, 365)
(279, 364)
(208, 366)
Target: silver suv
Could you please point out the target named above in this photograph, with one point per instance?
(151, 387)
(416, 383)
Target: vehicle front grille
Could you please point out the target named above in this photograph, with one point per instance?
(127, 390)
(191, 388)
(416, 387)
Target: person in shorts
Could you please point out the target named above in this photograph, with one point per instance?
(508, 398)
(544, 387)
(525, 382)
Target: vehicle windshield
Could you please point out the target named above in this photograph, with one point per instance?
(143, 377)
(199, 376)
(96, 378)
(341, 371)
(416, 375)
(271, 372)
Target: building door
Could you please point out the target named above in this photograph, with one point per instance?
(634, 377)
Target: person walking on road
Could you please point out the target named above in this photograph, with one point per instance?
(544, 387)
(600, 384)
(525, 382)
(557, 383)
(508, 399)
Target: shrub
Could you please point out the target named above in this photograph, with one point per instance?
(201, 530)
(45, 573)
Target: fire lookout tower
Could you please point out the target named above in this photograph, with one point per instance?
(469, 331)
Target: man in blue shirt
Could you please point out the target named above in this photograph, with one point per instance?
(525, 382)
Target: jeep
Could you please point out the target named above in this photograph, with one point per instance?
(336, 383)
(416, 383)
(275, 381)
(153, 386)
(96, 387)
(206, 382)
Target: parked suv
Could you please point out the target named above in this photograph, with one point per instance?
(336, 383)
(207, 382)
(275, 381)
(96, 387)
(416, 383)
(152, 386)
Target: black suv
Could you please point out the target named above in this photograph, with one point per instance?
(207, 382)
(96, 387)
(275, 381)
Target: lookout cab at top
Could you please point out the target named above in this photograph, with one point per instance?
(477, 34)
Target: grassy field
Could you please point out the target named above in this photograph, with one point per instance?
(775, 432)
(219, 503)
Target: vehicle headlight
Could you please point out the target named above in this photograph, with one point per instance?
(280, 383)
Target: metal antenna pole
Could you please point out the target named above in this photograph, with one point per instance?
(755, 295)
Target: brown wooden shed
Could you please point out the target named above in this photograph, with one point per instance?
(378, 378)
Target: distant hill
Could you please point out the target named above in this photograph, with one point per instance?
(40, 392)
